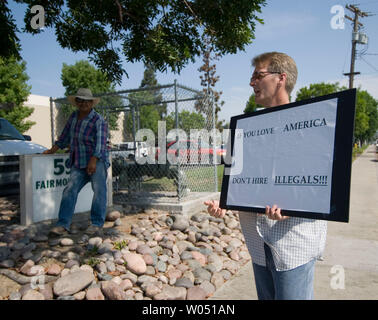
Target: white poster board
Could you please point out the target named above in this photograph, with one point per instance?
(288, 158)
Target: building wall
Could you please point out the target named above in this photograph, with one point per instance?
(41, 131)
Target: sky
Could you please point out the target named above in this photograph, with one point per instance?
(300, 28)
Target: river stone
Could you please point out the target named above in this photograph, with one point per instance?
(232, 224)
(161, 266)
(80, 295)
(15, 296)
(196, 293)
(143, 279)
(148, 259)
(94, 294)
(112, 290)
(152, 290)
(8, 286)
(208, 287)
(47, 290)
(199, 257)
(94, 242)
(180, 222)
(4, 253)
(199, 217)
(236, 243)
(217, 280)
(135, 263)
(54, 270)
(216, 261)
(184, 282)
(126, 284)
(9, 263)
(171, 293)
(65, 242)
(33, 295)
(26, 267)
(133, 245)
(200, 275)
(144, 249)
(113, 215)
(73, 283)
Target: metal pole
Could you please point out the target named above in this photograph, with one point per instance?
(213, 142)
(133, 115)
(176, 107)
(52, 119)
(179, 182)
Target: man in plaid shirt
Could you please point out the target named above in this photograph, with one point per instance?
(86, 135)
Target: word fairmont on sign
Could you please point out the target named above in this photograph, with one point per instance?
(52, 183)
(299, 160)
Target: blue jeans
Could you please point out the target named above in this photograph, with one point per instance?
(78, 179)
(294, 284)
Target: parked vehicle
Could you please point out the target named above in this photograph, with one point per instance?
(376, 146)
(128, 150)
(12, 145)
(194, 152)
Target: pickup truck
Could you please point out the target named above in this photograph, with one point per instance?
(12, 145)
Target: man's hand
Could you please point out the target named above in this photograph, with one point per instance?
(53, 149)
(214, 210)
(274, 213)
(91, 168)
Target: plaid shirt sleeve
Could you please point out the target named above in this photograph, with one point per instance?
(101, 138)
(65, 137)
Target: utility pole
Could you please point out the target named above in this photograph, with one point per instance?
(355, 39)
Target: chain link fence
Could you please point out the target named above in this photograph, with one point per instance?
(163, 142)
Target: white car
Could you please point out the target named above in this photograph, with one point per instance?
(13, 144)
(127, 150)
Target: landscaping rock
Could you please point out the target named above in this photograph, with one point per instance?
(113, 215)
(112, 290)
(73, 283)
(152, 255)
(196, 293)
(135, 263)
(94, 294)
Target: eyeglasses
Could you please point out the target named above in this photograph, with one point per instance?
(261, 74)
(79, 100)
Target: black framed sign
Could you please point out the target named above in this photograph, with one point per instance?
(297, 156)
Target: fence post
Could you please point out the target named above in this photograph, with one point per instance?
(133, 117)
(179, 182)
(52, 119)
(212, 101)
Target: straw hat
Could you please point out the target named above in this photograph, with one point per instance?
(85, 94)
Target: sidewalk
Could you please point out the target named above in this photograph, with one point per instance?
(351, 248)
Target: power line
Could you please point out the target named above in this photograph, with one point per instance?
(364, 3)
(369, 64)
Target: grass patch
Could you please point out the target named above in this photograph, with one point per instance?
(198, 179)
(358, 151)
(119, 245)
(92, 261)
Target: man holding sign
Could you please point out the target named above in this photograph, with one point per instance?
(283, 249)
